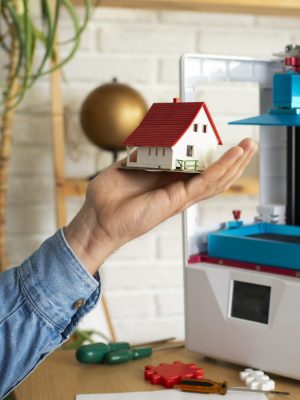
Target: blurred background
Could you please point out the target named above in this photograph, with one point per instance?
(143, 281)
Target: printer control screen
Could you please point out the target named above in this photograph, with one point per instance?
(250, 301)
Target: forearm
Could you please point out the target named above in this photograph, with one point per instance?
(87, 240)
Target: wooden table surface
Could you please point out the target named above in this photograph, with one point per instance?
(61, 377)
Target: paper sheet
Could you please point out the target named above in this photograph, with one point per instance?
(171, 395)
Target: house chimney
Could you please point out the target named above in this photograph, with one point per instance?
(176, 100)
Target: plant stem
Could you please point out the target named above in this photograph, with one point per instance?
(6, 127)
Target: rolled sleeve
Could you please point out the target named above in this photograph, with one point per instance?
(58, 285)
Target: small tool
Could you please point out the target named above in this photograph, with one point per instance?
(209, 386)
(95, 353)
(153, 343)
(125, 355)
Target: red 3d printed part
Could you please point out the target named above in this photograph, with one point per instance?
(170, 375)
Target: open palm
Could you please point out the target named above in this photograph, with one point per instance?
(121, 205)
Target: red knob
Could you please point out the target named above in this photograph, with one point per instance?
(293, 62)
(236, 214)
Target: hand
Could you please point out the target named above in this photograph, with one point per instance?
(121, 205)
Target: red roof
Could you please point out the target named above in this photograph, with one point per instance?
(166, 123)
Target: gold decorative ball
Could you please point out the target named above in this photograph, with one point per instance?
(110, 113)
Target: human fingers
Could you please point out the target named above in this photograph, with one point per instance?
(237, 168)
(237, 171)
(234, 177)
(221, 174)
(228, 164)
(202, 183)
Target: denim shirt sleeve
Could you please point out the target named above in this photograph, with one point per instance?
(41, 302)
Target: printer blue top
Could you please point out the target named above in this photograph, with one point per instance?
(286, 103)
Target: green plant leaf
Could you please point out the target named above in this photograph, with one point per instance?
(4, 28)
(17, 22)
(87, 16)
(16, 30)
(76, 26)
(41, 37)
(52, 23)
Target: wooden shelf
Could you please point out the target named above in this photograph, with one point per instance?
(266, 7)
(245, 186)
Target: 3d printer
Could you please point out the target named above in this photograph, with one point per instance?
(242, 286)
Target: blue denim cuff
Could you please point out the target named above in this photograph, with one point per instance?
(57, 284)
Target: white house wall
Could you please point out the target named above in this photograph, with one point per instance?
(204, 143)
(144, 160)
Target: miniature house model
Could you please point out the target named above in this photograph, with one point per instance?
(173, 136)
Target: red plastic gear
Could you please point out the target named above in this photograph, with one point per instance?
(170, 375)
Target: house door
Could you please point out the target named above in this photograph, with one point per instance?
(189, 151)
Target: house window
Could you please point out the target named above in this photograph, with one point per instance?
(133, 155)
(156, 151)
(149, 151)
(204, 128)
(189, 150)
(195, 128)
(164, 152)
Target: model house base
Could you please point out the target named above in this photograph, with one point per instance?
(185, 171)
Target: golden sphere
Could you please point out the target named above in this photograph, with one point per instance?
(110, 113)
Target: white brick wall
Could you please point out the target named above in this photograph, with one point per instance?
(254, 42)
(146, 39)
(143, 281)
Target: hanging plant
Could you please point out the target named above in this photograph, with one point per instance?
(22, 36)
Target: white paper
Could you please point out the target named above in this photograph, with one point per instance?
(170, 394)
